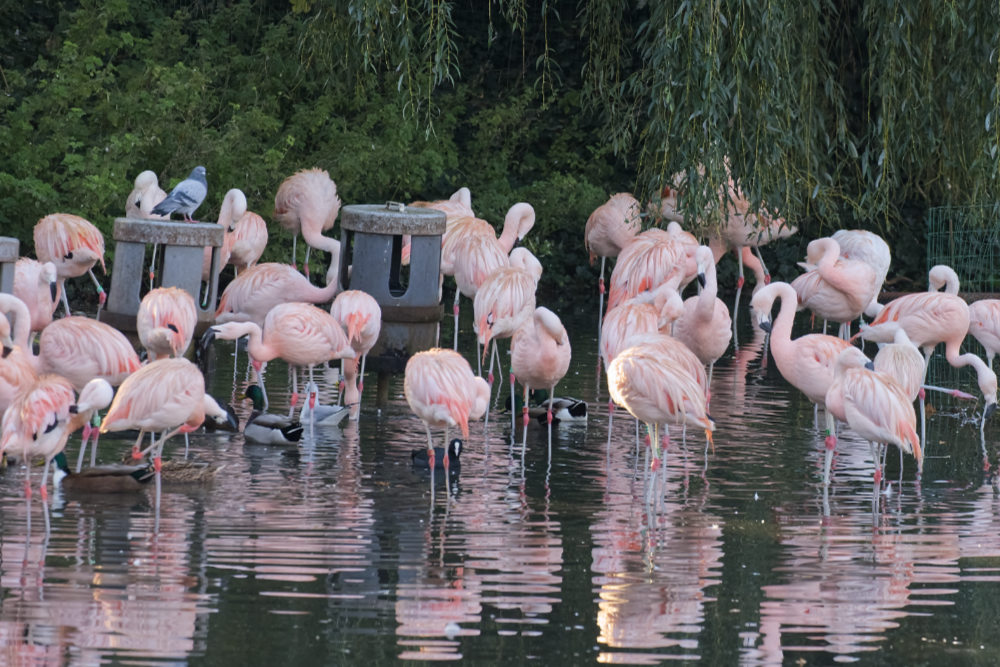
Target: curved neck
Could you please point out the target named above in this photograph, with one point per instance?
(22, 321)
(257, 348)
(782, 324)
(985, 377)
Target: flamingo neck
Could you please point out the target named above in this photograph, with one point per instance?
(782, 324)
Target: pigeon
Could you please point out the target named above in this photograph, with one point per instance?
(186, 197)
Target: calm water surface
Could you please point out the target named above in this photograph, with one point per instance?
(335, 553)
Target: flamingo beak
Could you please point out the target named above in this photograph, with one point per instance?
(54, 290)
(765, 325)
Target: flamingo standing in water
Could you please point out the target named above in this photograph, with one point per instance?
(299, 333)
(163, 395)
(874, 405)
(165, 322)
(651, 259)
(74, 245)
(503, 303)
(835, 288)
(37, 285)
(868, 247)
(36, 424)
(361, 317)
(610, 228)
(307, 201)
(539, 358)
(442, 391)
(705, 327)
(252, 294)
(984, 326)
(807, 362)
(657, 389)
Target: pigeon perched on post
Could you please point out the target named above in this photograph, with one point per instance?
(186, 197)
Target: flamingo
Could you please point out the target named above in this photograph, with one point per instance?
(307, 201)
(476, 257)
(456, 207)
(652, 258)
(984, 326)
(360, 315)
(163, 395)
(868, 247)
(36, 424)
(253, 293)
(835, 288)
(299, 333)
(36, 284)
(504, 301)
(942, 276)
(609, 229)
(540, 354)
(807, 362)
(145, 195)
(165, 322)
(705, 326)
(78, 348)
(442, 391)
(234, 205)
(244, 242)
(74, 245)
(874, 405)
(657, 389)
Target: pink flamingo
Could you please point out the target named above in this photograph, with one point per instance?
(252, 294)
(943, 277)
(984, 326)
(835, 288)
(652, 258)
(503, 303)
(307, 201)
(234, 205)
(166, 321)
(442, 391)
(807, 362)
(471, 250)
(163, 395)
(299, 333)
(244, 243)
(610, 228)
(37, 285)
(705, 327)
(74, 245)
(78, 348)
(145, 195)
(868, 247)
(874, 405)
(657, 389)
(539, 357)
(456, 207)
(37, 424)
(360, 315)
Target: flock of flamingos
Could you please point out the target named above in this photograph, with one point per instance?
(657, 348)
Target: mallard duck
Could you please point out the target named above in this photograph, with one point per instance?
(268, 429)
(119, 478)
(564, 408)
(419, 456)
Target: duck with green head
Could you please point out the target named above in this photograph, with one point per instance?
(267, 429)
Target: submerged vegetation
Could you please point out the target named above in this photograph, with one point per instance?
(837, 114)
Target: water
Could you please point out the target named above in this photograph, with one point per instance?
(332, 553)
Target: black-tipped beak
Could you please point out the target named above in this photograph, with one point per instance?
(232, 421)
(73, 409)
(172, 328)
(6, 351)
(201, 351)
(870, 365)
(765, 325)
(701, 279)
(990, 409)
(54, 290)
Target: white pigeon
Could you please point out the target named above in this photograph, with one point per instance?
(186, 197)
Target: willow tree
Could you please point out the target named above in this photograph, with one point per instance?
(832, 112)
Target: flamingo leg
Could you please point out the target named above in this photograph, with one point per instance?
(454, 309)
(295, 238)
(524, 422)
(305, 264)
(152, 266)
(600, 309)
(611, 417)
(101, 296)
(65, 300)
(548, 417)
(513, 408)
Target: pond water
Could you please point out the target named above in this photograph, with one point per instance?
(334, 553)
